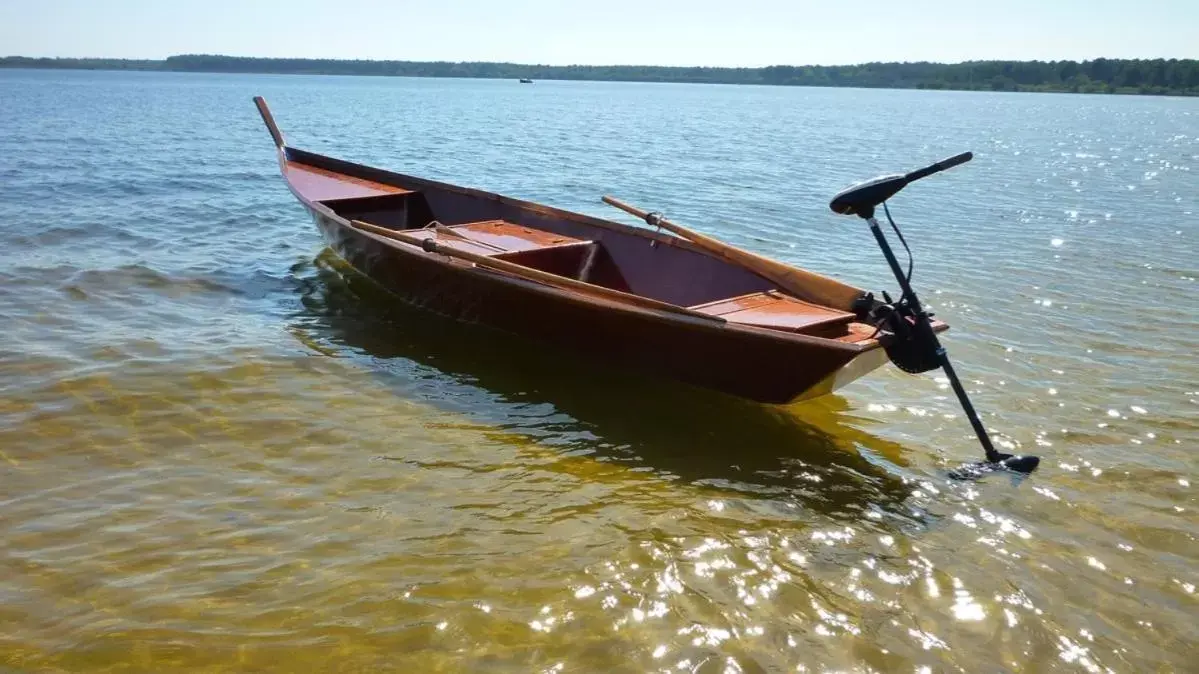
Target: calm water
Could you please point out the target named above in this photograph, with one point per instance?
(223, 450)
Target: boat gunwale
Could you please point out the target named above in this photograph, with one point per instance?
(533, 206)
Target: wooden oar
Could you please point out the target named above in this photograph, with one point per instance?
(521, 270)
(803, 284)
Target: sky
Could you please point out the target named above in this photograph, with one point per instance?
(748, 33)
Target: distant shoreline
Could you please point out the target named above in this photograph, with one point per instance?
(1160, 77)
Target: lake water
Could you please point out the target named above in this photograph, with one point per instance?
(221, 449)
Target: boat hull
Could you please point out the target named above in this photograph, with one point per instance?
(755, 365)
(682, 307)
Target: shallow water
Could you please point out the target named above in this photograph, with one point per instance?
(222, 449)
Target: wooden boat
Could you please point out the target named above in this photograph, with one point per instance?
(678, 305)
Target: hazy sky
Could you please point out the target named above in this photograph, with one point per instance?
(658, 32)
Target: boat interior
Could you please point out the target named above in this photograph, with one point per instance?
(627, 261)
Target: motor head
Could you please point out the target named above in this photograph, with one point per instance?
(860, 199)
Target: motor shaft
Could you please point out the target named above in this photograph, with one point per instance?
(925, 334)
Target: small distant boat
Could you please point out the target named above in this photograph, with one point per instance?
(676, 304)
(525, 80)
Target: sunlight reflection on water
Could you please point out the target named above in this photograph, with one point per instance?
(223, 450)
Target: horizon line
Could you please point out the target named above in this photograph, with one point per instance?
(589, 65)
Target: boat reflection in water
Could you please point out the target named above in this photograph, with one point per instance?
(571, 404)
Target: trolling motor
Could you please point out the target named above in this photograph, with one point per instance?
(912, 343)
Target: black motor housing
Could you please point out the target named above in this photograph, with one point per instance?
(906, 346)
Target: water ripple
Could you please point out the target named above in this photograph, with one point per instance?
(222, 449)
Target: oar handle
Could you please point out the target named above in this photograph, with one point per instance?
(658, 221)
(631, 210)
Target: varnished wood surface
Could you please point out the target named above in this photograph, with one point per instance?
(763, 365)
(317, 184)
(775, 310)
(452, 247)
(633, 310)
(269, 120)
(511, 237)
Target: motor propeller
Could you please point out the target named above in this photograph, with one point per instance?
(914, 345)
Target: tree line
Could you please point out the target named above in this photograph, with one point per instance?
(1134, 76)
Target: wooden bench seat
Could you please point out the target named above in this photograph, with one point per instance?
(494, 237)
(554, 253)
(510, 237)
(772, 309)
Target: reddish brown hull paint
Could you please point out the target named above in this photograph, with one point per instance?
(759, 367)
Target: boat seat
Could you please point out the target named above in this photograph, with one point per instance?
(494, 237)
(549, 252)
(773, 309)
(509, 237)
